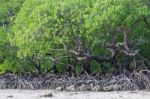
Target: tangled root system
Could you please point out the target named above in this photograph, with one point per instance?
(134, 81)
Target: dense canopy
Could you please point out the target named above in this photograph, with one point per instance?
(74, 35)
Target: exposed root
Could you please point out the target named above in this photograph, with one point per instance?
(137, 81)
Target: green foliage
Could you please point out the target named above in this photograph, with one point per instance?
(48, 29)
(95, 67)
(8, 60)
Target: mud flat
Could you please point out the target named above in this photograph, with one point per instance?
(51, 94)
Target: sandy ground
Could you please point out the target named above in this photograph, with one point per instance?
(39, 94)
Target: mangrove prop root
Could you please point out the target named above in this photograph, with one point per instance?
(136, 81)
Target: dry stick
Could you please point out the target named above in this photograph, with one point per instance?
(127, 50)
(126, 42)
(21, 84)
(29, 84)
(143, 18)
(2, 84)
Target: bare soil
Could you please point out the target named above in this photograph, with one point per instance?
(44, 94)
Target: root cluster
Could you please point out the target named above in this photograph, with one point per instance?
(133, 81)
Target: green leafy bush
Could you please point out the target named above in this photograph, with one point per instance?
(44, 31)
